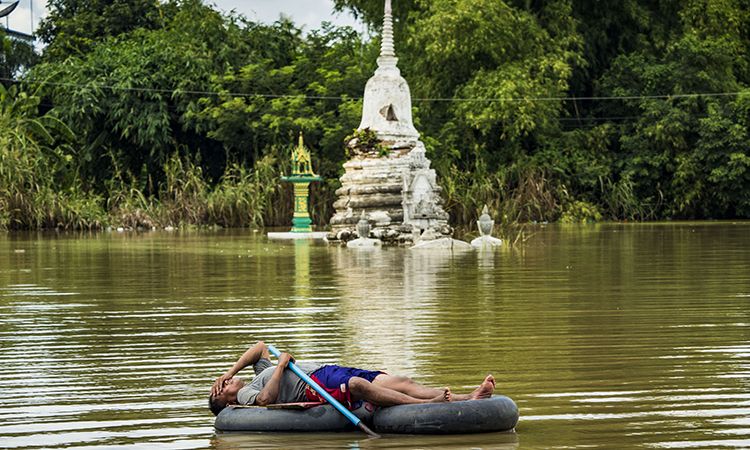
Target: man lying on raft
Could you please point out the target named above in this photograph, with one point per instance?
(274, 384)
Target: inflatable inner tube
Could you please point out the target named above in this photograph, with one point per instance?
(319, 418)
(498, 413)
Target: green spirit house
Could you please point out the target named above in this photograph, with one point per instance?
(301, 177)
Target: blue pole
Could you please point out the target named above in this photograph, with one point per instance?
(336, 404)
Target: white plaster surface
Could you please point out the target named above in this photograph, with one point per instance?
(387, 104)
(363, 243)
(398, 191)
(321, 235)
(443, 244)
(486, 242)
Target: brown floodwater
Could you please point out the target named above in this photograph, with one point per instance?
(606, 336)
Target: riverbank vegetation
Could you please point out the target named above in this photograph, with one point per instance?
(152, 114)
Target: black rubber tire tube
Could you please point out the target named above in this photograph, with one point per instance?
(320, 418)
(498, 413)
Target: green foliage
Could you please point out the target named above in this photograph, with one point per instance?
(131, 93)
(244, 197)
(684, 155)
(716, 175)
(129, 207)
(573, 110)
(365, 142)
(581, 212)
(307, 88)
(299, 84)
(15, 56)
(73, 27)
(241, 198)
(36, 188)
(501, 57)
(660, 157)
(495, 143)
(371, 11)
(184, 193)
(142, 128)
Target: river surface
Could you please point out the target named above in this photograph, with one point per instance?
(606, 336)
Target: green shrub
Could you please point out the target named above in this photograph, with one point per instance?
(243, 197)
(581, 212)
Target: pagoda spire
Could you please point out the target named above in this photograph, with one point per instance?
(386, 107)
(387, 48)
(387, 59)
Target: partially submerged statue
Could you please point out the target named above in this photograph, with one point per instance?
(429, 240)
(363, 231)
(485, 225)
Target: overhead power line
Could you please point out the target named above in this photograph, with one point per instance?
(339, 98)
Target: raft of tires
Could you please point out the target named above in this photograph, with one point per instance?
(498, 413)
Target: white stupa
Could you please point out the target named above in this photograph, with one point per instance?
(396, 188)
(386, 109)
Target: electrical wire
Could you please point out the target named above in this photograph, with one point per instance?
(340, 98)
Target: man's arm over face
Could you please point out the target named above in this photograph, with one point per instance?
(270, 391)
(250, 357)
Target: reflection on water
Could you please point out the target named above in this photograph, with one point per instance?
(356, 441)
(388, 303)
(606, 336)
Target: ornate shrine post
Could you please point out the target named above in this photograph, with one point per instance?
(301, 177)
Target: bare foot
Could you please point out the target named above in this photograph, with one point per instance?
(444, 397)
(484, 390)
(448, 395)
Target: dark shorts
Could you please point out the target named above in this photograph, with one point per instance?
(335, 380)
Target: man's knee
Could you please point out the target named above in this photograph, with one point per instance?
(358, 385)
(393, 381)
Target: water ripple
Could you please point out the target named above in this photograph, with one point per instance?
(613, 335)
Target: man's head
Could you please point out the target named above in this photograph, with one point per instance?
(228, 395)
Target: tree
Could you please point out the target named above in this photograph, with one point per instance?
(371, 11)
(497, 86)
(293, 84)
(73, 27)
(131, 92)
(15, 57)
(687, 155)
(38, 189)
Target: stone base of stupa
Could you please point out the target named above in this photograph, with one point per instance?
(398, 194)
(294, 235)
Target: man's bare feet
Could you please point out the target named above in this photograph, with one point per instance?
(444, 397)
(484, 390)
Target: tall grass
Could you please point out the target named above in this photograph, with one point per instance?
(184, 194)
(514, 196)
(620, 201)
(243, 197)
(128, 206)
(33, 191)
